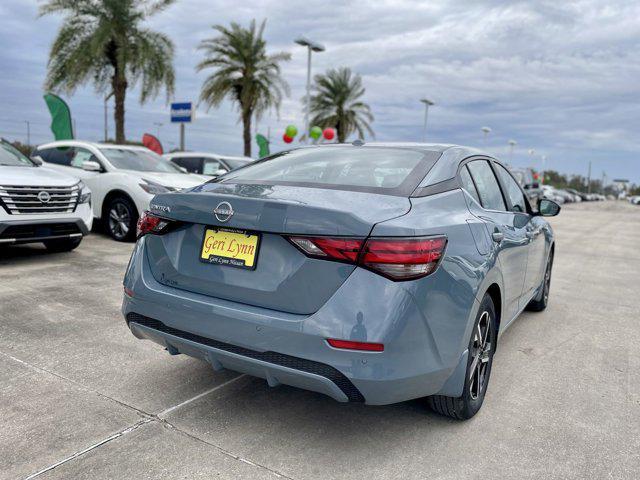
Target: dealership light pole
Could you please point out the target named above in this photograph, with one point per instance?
(512, 144)
(427, 104)
(28, 132)
(315, 47)
(486, 131)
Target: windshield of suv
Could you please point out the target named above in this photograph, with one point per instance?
(11, 157)
(138, 160)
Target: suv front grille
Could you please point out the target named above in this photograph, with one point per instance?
(39, 200)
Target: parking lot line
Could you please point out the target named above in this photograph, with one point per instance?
(164, 413)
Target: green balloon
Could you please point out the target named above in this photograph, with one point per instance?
(315, 133)
(291, 131)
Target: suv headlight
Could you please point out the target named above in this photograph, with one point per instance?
(84, 192)
(155, 188)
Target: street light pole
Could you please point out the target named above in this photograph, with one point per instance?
(486, 131)
(427, 104)
(28, 132)
(316, 47)
(512, 144)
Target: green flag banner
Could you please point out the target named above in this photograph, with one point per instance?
(263, 143)
(61, 125)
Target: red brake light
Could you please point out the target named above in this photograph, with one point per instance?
(336, 248)
(351, 345)
(397, 258)
(149, 223)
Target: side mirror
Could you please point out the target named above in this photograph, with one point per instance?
(220, 171)
(548, 208)
(37, 160)
(91, 166)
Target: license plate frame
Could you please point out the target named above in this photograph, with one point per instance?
(229, 261)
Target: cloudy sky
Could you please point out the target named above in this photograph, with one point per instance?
(561, 78)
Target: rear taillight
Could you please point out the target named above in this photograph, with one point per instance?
(397, 258)
(150, 223)
(403, 259)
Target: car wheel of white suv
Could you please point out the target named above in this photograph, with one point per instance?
(121, 220)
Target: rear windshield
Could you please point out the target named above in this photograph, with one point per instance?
(372, 169)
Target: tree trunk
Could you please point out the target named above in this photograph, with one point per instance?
(246, 133)
(119, 94)
(340, 132)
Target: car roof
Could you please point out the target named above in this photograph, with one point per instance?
(205, 154)
(82, 143)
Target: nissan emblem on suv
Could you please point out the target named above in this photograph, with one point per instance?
(223, 212)
(44, 197)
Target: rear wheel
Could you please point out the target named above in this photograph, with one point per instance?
(63, 245)
(481, 349)
(541, 300)
(121, 220)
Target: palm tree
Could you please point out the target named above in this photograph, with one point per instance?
(336, 103)
(244, 73)
(103, 41)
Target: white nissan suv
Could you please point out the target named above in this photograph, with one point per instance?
(123, 179)
(38, 204)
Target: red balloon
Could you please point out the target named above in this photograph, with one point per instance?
(329, 133)
(287, 138)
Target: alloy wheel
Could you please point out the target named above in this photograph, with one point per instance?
(480, 354)
(119, 220)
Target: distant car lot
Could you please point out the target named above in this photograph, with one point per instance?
(77, 388)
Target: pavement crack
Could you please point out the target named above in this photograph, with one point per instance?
(78, 384)
(171, 426)
(79, 453)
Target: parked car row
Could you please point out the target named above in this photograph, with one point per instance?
(569, 195)
(54, 196)
(634, 200)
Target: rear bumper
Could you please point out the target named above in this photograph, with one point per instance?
(420, 357)
(274, 367)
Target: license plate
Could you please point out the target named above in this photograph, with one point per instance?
(234, 248)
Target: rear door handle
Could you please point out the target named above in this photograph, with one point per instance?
(497, 236)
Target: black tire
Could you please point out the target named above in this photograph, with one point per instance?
(121, 217)
(63, 245)
(478, 370)
(540, 301)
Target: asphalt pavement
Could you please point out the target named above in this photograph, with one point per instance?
(80, 397)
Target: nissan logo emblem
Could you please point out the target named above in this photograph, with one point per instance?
(44, 197)
(223, 212)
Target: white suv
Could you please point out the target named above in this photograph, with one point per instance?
(123, 179)
(38, 204)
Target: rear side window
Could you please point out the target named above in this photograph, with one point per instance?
(372, 169)
(59, 156)
(515, 195)
(488, 187)
(192, 164)
(467, 184)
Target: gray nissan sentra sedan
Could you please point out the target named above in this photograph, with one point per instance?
(372, 273)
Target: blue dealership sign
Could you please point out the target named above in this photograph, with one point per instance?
(181, 112)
